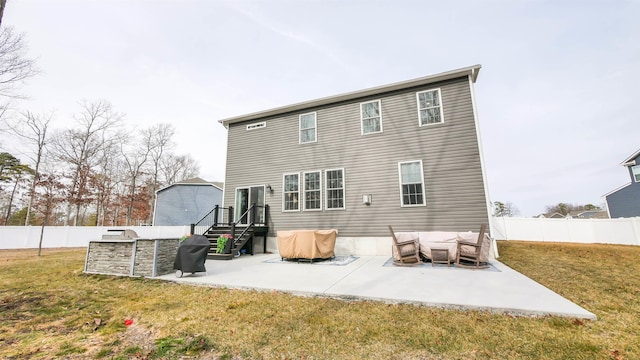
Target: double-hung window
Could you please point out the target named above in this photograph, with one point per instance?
(411, 183)
(312, 190)
(334, 188)
(371, 117)
(291, 193)
(308, 128)
(635, 170)
(430, 107)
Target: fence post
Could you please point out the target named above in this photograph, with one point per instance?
(230, 215)
(266, 215)
(215, 215)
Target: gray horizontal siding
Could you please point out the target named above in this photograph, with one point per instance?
(625, 202)
(449, 152)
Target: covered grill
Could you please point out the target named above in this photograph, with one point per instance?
(192, 253)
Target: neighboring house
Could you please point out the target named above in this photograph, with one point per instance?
(625, 201)
(186, 202)
(577, 214)
(406, 154)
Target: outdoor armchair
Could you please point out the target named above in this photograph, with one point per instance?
(407, 251)
(472, 251)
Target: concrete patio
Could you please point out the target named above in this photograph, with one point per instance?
(498, 289)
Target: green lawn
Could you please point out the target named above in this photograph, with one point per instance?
(50, 309)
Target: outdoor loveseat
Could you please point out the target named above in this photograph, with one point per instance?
(445, 240)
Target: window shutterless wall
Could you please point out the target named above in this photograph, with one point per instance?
(453, 181)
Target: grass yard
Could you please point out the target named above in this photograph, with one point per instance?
(50, 309)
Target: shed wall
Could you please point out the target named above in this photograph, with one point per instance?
(184, 204)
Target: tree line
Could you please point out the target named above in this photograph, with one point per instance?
(94, 171)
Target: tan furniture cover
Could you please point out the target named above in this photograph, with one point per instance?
(306, 244)
(447, 240)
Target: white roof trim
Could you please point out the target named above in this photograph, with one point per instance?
(190, 184)
(471, 71)
(616, 189)
(628, 161)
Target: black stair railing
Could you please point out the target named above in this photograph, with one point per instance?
(254, 215)
(253, 219)
(212, 219)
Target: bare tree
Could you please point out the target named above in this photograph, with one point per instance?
(49, 188)
(161, 135)
(504, 209)
(81, 148)
(3, 3)
(135, 159)
(108, 176)
(177, 168)
(32, 129)
(15, 66)
(18, 175)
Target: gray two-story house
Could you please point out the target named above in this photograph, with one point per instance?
(406, 154)
(625, 200)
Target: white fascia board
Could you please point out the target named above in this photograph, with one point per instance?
(471, 71)
(616, 189)
(628, 161)
(189, 184)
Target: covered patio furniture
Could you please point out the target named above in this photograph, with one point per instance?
(406, 248)
(307, 244)
(472, 251)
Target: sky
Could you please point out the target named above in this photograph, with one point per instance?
(556, 96)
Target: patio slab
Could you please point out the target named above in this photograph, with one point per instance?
(499, 289)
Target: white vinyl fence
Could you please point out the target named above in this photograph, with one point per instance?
(604, 231)
(28, 237)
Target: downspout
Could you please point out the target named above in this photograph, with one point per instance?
(474, 74)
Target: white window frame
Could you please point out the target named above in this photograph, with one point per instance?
(439, 107)
(362, 118)
(305, 190)
(635, 173)
(326, 190)
(258, 125)
(424, 195)
(315, 128)
(285, 192)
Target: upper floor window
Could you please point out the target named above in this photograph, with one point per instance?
(411, 183)
(371, 117)
(334, 192)
(430, 107)
(291, 193)
(312, 191)
(307, 128)
(635, 170)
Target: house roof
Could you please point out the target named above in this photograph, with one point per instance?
(471, 71)
(195, 181)
(628, 161)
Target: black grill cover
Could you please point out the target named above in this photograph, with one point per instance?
(192, 254)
